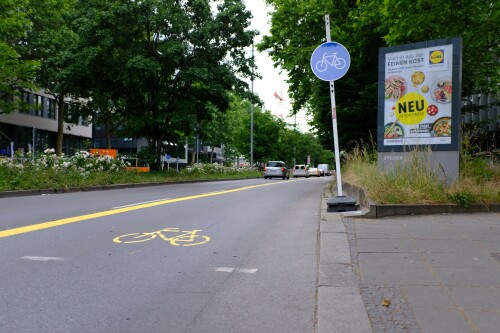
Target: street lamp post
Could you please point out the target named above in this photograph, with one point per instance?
(251, 115)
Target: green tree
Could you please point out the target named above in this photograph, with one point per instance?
(16, 72)
(295, 147)
(296, 30)
(236, 117)
(169, 63)
(266, 135)
(476, 21)
(49, 42)
(363, 27)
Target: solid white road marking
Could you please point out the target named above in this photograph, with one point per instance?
(239, 270)
(247, 270)
(35, 258)
(225, 269)
(139, 203)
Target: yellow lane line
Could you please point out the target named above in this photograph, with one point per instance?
(56, 223)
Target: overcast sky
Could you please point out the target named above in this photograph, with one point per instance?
(272, 81)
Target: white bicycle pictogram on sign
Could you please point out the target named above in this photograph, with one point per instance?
(330, 60)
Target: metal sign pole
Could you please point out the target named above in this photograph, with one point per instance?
(334, 118)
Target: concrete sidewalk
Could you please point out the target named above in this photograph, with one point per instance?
(422, 273)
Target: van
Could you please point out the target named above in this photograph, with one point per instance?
(325, 169)
(301, 170)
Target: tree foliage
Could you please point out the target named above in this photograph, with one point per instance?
(273, 138)
(49, 41)
(363, 27)
(170, 64)
(16, 72)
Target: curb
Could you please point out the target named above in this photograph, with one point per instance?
(22, 193)
(369, 209)
(340, 306)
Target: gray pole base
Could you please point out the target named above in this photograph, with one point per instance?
(341, 204)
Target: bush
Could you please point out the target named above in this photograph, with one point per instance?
(83, 169)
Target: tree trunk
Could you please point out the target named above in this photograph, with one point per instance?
(60, 124)
(212, 155)
(157, 164)
(107, 133)
(193, 157)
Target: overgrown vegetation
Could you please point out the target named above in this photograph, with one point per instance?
(417, 183)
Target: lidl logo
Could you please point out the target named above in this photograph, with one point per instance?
(436, 57)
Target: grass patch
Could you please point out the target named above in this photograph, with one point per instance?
(417, 183)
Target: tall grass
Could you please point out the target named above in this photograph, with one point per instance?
(417, 182)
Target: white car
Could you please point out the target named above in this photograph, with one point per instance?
(276, 169)
(300, 170)
(314, 172)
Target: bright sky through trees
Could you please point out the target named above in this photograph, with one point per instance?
(272, 81)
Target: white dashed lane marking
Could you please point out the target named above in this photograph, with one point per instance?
(35, 258)
(139, 203)
(239, 270)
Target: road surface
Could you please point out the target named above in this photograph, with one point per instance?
(232, 256)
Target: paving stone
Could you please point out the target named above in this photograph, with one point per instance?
(336, 275)
(438, 321)
(466, 277)
(386, 245)
(334, 248)
(332, 226)
(344, 312)
(447, 245)
(394, 269)
(466, 259)
(428, 297)
(485, 322)
(477, 298)
(386, 319)
(378, 231)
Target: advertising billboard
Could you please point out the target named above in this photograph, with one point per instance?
(419, 96)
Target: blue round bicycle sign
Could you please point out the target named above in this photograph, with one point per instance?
(330, 61)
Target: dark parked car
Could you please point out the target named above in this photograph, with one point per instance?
(276, 169)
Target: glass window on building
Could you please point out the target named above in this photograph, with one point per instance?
(26, 98)
(38, 105)
(85, 121)
(67, 114)
(51, 109)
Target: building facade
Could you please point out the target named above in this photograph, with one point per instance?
(35, 128)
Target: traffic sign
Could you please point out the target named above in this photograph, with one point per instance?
(330, 61)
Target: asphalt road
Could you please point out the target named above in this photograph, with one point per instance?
(235, 256)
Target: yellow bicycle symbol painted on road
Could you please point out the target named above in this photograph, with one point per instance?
(180, 238)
